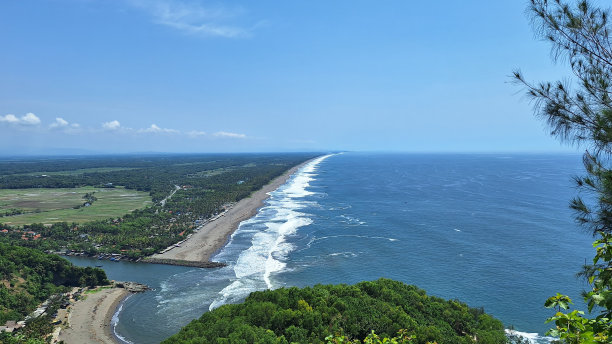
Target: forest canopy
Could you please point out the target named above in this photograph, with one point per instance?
(309, 315)
(28, 277)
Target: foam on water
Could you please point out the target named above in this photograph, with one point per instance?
(347, 254)
(254, 268)
(351, 236)
(115, 321)
(350, 220)
(533, 338)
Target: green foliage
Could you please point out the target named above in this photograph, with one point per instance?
(207, 183)
(37, 329)
(19, 338)
(28, 277)
(581, 35)
(155, 174)
(401, 338)
(343, 314)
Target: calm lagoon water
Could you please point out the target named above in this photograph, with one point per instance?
(493, 231)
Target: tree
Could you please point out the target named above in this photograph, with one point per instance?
(580, 35)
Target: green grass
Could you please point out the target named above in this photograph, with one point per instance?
(76, 172)
(217, 171)
(57, 205)
(93, 291)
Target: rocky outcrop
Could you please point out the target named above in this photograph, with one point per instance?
(132, 287)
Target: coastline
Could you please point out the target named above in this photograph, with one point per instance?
(89, 320)
(212, 236)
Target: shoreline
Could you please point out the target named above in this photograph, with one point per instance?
(214, 235)
(110, 312)
(89, 320)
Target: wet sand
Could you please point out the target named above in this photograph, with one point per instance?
(89, 319)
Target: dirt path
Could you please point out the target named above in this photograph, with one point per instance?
(163, 201)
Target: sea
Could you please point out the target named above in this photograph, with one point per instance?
(491, 230)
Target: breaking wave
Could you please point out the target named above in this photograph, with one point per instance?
(267, 250)
(533, 338)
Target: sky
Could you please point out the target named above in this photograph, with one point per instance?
(120, 76)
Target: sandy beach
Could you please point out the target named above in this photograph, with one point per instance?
(89, 319)
(213, 235)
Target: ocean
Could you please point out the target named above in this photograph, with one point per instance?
(492, 230)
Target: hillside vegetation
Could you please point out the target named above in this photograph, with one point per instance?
(28, 277)
(309, 315)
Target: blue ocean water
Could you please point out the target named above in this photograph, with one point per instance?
(493, 231)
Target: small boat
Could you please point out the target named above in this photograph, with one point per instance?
(98, 266)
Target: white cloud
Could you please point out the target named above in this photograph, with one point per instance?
(193, 18)
(155, 129)
(65, 126)
(28, 119)
(195, 133)
(112, 125)
(230, 135)
(9, 119)
(59, 123)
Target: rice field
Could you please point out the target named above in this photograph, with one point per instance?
(56, 205)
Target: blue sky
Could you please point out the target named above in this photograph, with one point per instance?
(212, 76)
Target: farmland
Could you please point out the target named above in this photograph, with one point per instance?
(122, 204)
(51, 205)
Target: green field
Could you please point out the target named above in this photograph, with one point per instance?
(57, 205)
(76, 172)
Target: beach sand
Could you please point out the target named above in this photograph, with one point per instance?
(89, 320)
(214, 235)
